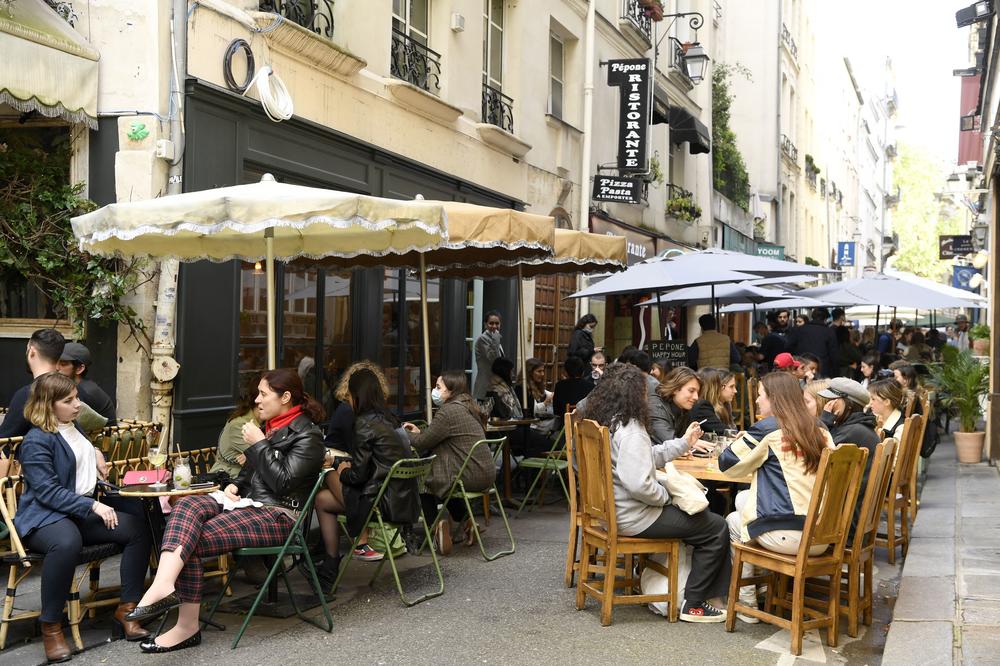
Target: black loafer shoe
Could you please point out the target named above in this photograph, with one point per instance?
(151, 647)
(155, 609)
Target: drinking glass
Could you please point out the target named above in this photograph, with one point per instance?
(157, 456)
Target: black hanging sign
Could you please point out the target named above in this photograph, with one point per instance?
(950, 247)
(632, 79)
(617, 189)
(675, 351)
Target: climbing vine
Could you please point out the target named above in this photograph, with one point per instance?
(37, 244)
(729, 169)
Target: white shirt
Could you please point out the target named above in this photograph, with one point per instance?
(86, 459)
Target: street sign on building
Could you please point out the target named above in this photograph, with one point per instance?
(632, 79)
(771, 251)
(950, 247)
(846, 253)
(617, 189)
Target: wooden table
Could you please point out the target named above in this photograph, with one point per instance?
(507, 425)
(698, 468)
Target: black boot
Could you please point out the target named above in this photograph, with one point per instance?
(327, 572)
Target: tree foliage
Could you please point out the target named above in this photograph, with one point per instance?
(36, 237)
(728, 167)
(923, 214)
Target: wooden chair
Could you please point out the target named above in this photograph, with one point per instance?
(897, 499)
(572, 566)
(23, 562)
(914, 500)
(599, 531)
(826, 524)
(859, 554)
(126, 440)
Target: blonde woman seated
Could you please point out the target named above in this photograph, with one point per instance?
(782, 452)
(887, 405)
(642, 506)
(714, 409)
(811, 394)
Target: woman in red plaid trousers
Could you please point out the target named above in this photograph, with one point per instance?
(281, 468)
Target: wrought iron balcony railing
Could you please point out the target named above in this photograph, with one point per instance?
(677, 57)
(789, 149)
(633, 12)
(498, 109)
(678, 192)
(316, 15)
(789, 41)
(414, 63)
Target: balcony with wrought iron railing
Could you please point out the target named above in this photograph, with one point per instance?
(789, 150)
(789, 42)
(315, 15)
(498, 109)
(677, 62)
(634, 17)
(414, 63)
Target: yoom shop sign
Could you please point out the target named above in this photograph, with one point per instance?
(632, 79)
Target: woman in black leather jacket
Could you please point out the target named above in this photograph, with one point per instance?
(352, 488)
(280, 472)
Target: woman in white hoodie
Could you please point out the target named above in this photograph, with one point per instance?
(642, 505)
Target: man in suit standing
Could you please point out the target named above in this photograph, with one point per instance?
(488, 348)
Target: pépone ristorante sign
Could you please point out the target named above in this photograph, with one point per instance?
(632, 79)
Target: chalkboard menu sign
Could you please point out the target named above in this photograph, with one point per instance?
(673, 350)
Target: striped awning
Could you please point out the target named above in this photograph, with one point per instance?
(48, 67)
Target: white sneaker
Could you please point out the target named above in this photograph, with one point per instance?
(748, 600)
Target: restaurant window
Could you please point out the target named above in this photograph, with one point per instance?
(253, 322)
(337, 338)
(402, 338)
(298, 326)
(556, 61)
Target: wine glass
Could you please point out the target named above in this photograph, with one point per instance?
(157, 456)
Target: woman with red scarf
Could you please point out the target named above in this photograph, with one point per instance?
(281, 468)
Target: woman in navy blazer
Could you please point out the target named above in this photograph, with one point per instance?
(58, 515)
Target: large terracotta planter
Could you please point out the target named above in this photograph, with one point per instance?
(969, 446)
(981, 346)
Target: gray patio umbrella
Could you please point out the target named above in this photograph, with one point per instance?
(762, 267)
(883, 291)
(789, 303)
(660, 275)
(742, 292)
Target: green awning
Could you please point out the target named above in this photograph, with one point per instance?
(48, 67)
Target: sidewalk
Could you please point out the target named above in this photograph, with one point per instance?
(948, 610)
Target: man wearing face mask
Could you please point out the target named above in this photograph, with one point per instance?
(488, 348)
(582, 342)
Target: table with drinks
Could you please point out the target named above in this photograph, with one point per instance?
(707, 468)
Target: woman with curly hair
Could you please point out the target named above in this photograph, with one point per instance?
(340, 429)
(670, 406)
(642, 505)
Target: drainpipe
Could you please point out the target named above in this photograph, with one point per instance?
(583, 304)
(164, 366)
(779, 202)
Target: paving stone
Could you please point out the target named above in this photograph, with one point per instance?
(918, 644)
(981, 611)
(985, 586)
(979, 558)
(980, 646)
(929, 558)
(980, 510)
(925, 598)
(981, 538)
(935, 522)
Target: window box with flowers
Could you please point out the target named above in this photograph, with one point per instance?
(682, 208)
(653, 9)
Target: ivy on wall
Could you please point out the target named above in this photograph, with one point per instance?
(728, 167)
(36, 238)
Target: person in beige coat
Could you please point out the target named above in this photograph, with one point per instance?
(456, 428)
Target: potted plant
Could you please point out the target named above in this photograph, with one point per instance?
(980, 336)
(963, 382)
(653, 9)
(682, 208)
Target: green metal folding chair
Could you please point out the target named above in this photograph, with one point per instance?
(408, 468)
(295, 544)
(553, 461)
(458, 491)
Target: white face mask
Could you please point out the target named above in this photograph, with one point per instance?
(590, 329)
(436, 397)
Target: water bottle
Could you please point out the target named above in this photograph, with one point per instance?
(182, 474)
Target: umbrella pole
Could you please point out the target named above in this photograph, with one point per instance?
(714, 307)
(659, 312)
(878, 311)
(523, 339)
(427, 341)
(271, 346)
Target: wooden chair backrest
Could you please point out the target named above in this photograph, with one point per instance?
(908, 454)
(569, 428)
(879, 476)
(9, 465)
(741, 399)
(200, 460)
(753, 385)
(834, 495)
(593, 456)
(129, 440)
